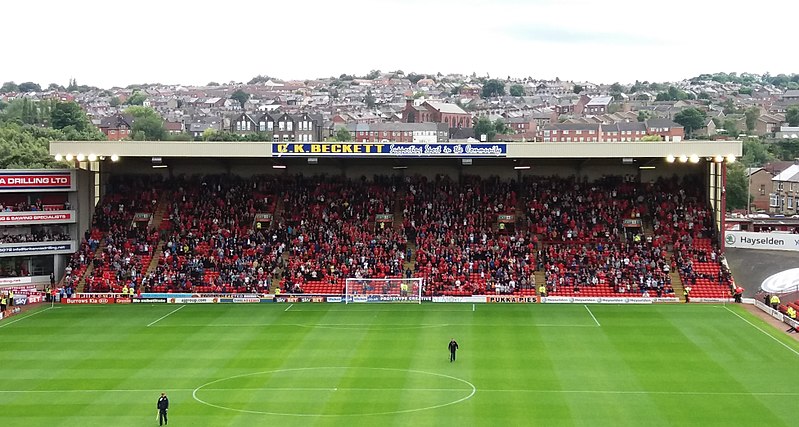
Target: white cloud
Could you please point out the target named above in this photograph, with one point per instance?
(105, 44)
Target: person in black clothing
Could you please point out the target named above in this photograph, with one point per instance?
(163, 405)
(453, 346)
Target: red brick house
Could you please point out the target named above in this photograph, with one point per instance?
(436, 112)
(117, 127)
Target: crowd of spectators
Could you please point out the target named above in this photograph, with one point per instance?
(39, 236)
(227, 234)
(461, 245)
(332, 232)
(623, 268)
(34, 206)
(213, 242)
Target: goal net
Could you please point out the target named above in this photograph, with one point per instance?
(383, 290)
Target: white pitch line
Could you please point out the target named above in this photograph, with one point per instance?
(287, 308)
(164, 316)
(472, 307)
(764, 332)
(592, 315)
(372, 325)
(24, 317)
(330, 389)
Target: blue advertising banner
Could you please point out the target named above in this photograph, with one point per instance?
(400, 149)
(36, 248)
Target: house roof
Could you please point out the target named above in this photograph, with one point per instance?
(447, 108)
(572, 126)
(662, 123)
(792, 93)
(599, 101)
(791, 174)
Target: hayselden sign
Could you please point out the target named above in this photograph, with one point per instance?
(46, 217)
(365, 149)
(15, 181)
(767, 241)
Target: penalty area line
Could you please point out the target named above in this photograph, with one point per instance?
(287, 308)
(165, 316)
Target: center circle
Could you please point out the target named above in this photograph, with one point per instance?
(350, 391)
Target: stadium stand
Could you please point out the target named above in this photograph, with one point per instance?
(308, 234)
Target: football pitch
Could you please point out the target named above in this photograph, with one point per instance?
(388, 365)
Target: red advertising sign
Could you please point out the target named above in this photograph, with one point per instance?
(90, 300)
(11, 181)
(37, 217)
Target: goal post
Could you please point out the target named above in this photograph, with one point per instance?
(383, 290)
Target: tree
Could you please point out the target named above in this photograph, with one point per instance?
(414, 78)
(792, 116)
(9, 87)
(501, 128)
(208, 134)
(147, 124)
(691, 119)
(493, 87)
(737, 187)
(731, 127)
(517, 90)
(369, 99)
(25, 147)
(343, 135)
(114, 101)
(617, 88)
(483, 126)
(65, 114)
(29, 87)
(577, 89)
(137, 98)
(241, 96)
(651, 138)
(755, 153)
(644, 115)
(372, 75)
(752, 115)
(255, 80)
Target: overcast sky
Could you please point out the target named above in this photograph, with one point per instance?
(107, 44)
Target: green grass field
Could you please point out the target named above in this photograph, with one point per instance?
(372, 364)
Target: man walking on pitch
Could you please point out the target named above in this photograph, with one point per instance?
(163, 405)
(453, 346)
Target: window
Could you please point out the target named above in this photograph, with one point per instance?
(290, 126)
(565, 132)
(262, 126)
(762, 189)
(282, 126)
(790, 202)
(579, 132)
(590, 132)
(779, 186)
(270, 125)
(773, 200)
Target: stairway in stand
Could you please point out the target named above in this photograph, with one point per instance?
(399, 207)
(90, 269)
(161, 211)
(676, 281)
